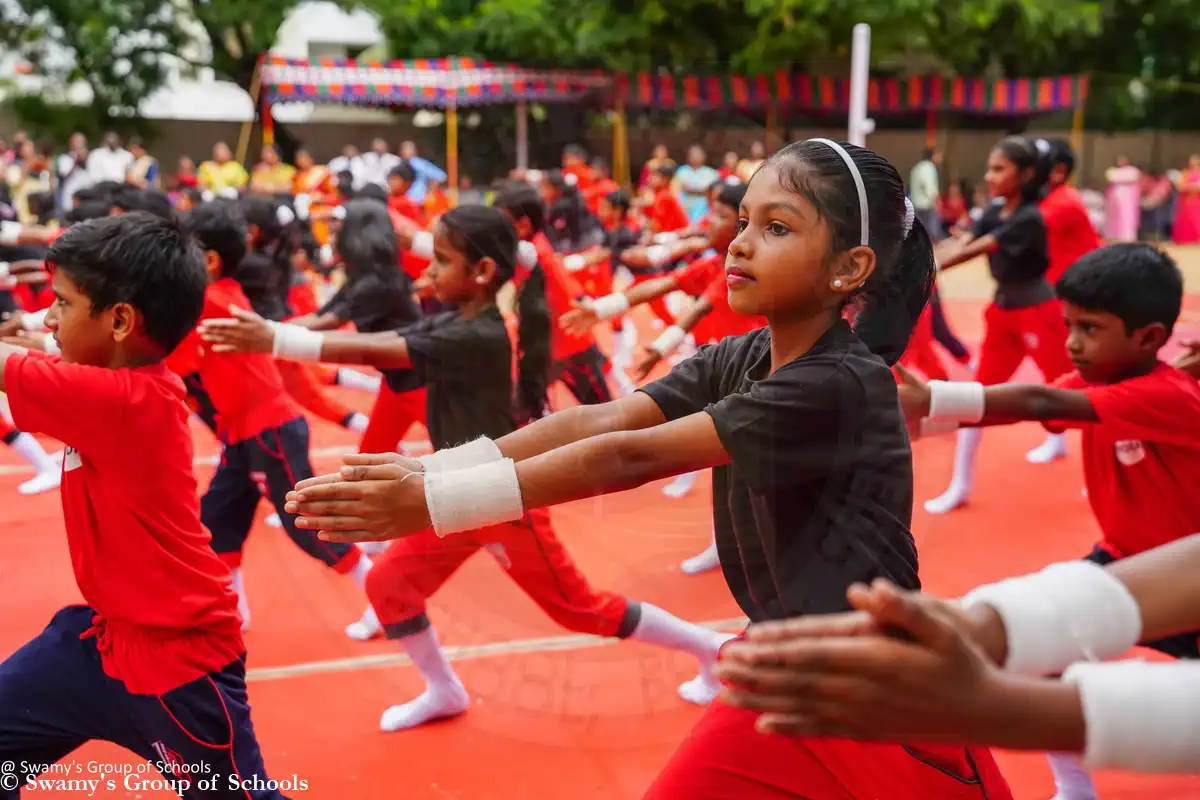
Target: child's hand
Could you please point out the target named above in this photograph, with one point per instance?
(1189, 362)
(579, 320)
(26, 339)
(246, 332)
(840, 676)
(645, 365)
(914, 396)
(10, 325)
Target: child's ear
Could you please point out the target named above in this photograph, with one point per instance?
(124, 321)
(212, 263)
(485, 272)
(852, 270)
(1151, 338)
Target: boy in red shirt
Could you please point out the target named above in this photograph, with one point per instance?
(664, 214)
(1140, 417)
(263, 429)
(155, 661)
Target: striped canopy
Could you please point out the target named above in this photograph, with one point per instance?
(436, 83)
(421, 83)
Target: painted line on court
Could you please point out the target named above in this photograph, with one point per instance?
(548, 644)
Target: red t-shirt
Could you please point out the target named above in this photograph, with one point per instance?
(1141, 461)
(1069, 230)
(666, 214)
(705, 277)
(141, 558)
(598, 191)
(246, 390)
(561, 291)
(400, 205)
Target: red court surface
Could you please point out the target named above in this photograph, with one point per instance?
(555, 716)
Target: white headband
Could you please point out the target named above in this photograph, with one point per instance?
(858, 184)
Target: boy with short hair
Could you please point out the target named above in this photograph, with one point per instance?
(155, 661)
(1140, 417)
(263, 430)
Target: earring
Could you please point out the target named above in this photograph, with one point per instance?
(480, 281)
(837, 284)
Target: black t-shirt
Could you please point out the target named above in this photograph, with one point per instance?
(819, 493)
(264, 284)
(374, 305)
(618, 240)
(1020, 262)
(466, 366)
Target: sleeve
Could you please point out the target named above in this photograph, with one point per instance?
(985, 224)
(1024, 226)
(798, 425)
(1159, 407)
(443, 352)
(49, 396)
(717, 292)
(339, 304)
(691, 386)
(1073, 381)
(694, 278)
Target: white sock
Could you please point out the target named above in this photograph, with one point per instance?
(353, 379)
(361, 568)
(681, 485)
(357, 422)
(661, 628)
(1070, 778)
(444, 695)
(30, 449)
(366, 627)
(239, 586)
(1052, 449)
(963, 481)
(708, 560)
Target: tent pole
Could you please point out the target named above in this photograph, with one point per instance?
(452, 150)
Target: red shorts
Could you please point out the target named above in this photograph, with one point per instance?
(391, 417)
(921, 354)
(1011, 334)
(412, 569)
(724, 758)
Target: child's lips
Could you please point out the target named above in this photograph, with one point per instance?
(736, 276)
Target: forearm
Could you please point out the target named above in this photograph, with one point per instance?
(650, 290)
(691, 318)
(1038, 714)
(1017, 402)
(1163, 581)
(386, 350)
(580, 422)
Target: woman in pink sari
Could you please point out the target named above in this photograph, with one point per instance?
(1186, 229)
(1123, 207)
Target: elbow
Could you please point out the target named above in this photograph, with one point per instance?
(1044, 404)
(628, 462)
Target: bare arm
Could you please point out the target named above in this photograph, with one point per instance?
(247, 332)
(661, 254)
(1006, 403)
(574, 424)
(958, 251)
(6, 351)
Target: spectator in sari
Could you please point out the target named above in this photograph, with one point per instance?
(748, 166)
(222, 176)
(427, 172)
(693, 181)
(271, 176)
(143, 173)
(316, 193)
(1123, 206)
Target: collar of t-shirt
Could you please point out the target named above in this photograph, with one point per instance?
(836, 338)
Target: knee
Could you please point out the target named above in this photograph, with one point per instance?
(600, 614)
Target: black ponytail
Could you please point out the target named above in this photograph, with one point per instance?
(893, 298)
(888, 309)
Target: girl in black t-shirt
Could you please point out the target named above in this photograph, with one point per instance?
(1024, 318)
(800, 422)
(464, 356)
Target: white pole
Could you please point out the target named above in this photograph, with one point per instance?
(860, 72)
(522, 136)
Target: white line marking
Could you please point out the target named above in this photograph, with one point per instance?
(548, 644)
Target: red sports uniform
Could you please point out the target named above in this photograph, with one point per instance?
(705, 277)
(1070, 234)
(165, 613)
(665, 214)
(1141, 461)
(921, 354)
(1024, 318)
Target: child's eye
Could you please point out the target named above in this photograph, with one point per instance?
(741, 224)
(777, 229)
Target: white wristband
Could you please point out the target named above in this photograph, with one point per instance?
(669, 340)
(34, 321)
(1140, 717)
(50, 346)
(472, 454)
(296, 343)
(610, 306)
(658, 255)
(527, 255)
(10, 232)
(930, 428)
(665, 237)
(574, 263)
(303, 203)
(1075, 611)
(422, 245)
(956, 401)
(469, 499)
(4, 269)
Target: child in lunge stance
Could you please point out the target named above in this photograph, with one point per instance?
(464, 358)
(155, 661)
(1140, 417)
(1024, 319)
(264, 432)
(812, 483)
